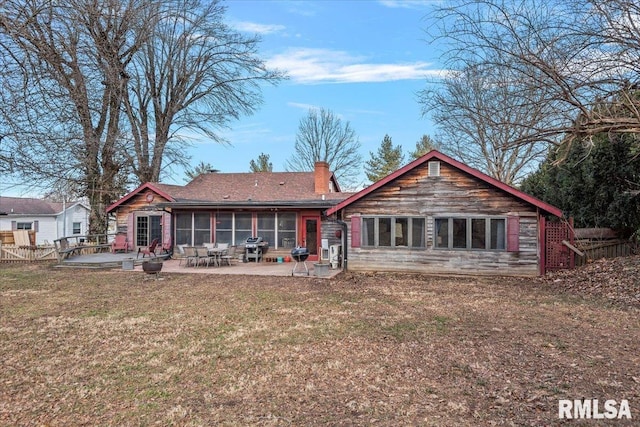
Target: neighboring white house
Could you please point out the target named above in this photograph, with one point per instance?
(49, 220)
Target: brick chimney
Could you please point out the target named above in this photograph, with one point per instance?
(321, 177)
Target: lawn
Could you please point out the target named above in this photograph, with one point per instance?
(116, 348)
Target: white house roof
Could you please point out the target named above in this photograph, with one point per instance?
(31, 206)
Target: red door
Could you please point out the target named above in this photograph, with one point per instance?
(311, 235)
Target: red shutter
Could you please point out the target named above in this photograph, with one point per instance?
(513, 233)
(355, 232)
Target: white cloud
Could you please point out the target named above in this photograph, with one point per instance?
(313, 66)
(408, 4)
(302, 106)
(254, 27)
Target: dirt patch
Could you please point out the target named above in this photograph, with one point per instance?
(115, 348)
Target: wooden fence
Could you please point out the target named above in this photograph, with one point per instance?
(15, 253)
(604, 249)
(77, 245)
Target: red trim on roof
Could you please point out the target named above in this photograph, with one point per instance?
(434, 154)
(145, 186)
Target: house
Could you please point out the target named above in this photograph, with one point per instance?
(437, 215)
(284, 208)
(49, 220)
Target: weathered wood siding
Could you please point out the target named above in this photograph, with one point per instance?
(126, 212)
(453, 193)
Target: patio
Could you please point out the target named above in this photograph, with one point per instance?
(110, 260)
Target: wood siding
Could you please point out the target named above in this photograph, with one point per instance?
(452, 194)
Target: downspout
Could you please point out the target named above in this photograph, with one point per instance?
(345, 262)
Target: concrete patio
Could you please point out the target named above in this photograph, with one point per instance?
(118, 260)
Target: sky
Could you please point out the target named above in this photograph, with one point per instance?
(364, 60)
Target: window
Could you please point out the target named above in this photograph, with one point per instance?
(279, 229)
(395, 232)
(147, 229)
(224, 227)
(243, 228)
(201, 228)
(192, 228)
(183, 228)
(498, 234)
(24, 226)
(470, 233)
(77, 228)
(267, 227)
(286, 230)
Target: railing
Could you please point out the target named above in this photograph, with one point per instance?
(82, 245)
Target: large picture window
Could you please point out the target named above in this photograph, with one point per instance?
(470, 233)
(398, 232)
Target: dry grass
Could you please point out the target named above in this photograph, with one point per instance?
(114, 348)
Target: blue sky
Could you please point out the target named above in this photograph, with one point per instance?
(363, 60)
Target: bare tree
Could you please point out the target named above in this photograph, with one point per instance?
(581, 55)
(65, 67)
(480, 117)
(95, 92)
(323, 137)
(197, 75)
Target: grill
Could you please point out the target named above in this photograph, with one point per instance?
(300, 255)
(255, 248)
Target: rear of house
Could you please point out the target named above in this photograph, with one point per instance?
(285, 209)
(437, 215)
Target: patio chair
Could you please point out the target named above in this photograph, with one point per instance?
(229, 255)
(190, 256)
(120, 243)
(203, 255)
(151, 249)
(180, 255)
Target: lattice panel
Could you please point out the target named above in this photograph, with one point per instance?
(558, 256)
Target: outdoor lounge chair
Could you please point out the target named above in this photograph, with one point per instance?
(151, 249)
(120, 243)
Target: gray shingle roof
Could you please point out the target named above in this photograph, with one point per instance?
(29, 206)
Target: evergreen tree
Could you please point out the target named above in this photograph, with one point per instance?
(262, 164)
(598, 185)
(199, 169)
(387, 160)
(423, 146)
